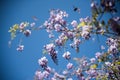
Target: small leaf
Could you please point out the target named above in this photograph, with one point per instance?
(44, 52)
(118, 62)
(16, 26)
(94, 66)
(81, 24)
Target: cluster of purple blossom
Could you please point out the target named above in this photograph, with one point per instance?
(103, 66)
(50, 49)
(113, 45)
(55, 22)
(48, 72)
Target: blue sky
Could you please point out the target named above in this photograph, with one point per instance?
(22, 66)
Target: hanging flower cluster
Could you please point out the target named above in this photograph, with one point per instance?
(50, 49)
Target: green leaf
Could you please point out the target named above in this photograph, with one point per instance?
(94, 66)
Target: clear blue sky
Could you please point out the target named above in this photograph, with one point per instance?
(22, 66)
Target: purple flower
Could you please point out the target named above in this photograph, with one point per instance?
(32, 24)
(27, 32)
(65, 72)
(66, 55)
(69, 66)
(108, 64)
(98, 54)
(113, 49)
(43, 62)
(22, 26)
(102, 47)
(57, 27)
(74, 23)
(59, 42)
(39, 75)
(46, 74)
(49, 47)
(76, 42)
(85, 63)
(69, 79)
(110, 41)
(58, 76)
(92, 73)
(20, 48)
(51, 36)
(86, 32)
(92, 60)
(48, 69)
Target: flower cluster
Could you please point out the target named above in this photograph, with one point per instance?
(113, 45)
(76, 44)
(103, 66)
(20, 48)
(43, 62)
(56, 21)
(66, 55)
(86, 32)
(50, 49)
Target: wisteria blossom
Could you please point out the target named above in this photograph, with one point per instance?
(64, 35)
(66, 55)
(98, 54)
(69, 66)
(27, 32)
(20, 48)
(74, 23)
(50, 48)
(92, 60)
(43, 62)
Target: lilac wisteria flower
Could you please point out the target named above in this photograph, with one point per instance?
(113, 49)
(58, 76)
(92, 60)
(74, 23)
(50, 48)
(57, 27)
(98, 54)
(60, 41)
(46, 74)
(27, 32)
(48, 69)
(20, 48)
(69, 34)
(102, 47)
(69, 66)
(111, 41)
(76, 42)
(108, 64)
(65, 72)
(39, 75)
(92, 73)
(66, 55)
(85, 63)
(32, 24)
(86, 32)
(43, 62)
(113, 45)
(22, 26)
(69, 79)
